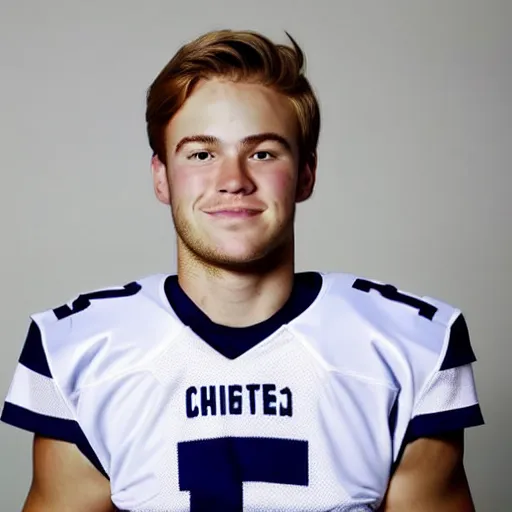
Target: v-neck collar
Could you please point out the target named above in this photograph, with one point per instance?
(232, 342)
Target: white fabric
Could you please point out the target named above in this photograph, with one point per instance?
(37, 393)
(125, 366)
(449, 389)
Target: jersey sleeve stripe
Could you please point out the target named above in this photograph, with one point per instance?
(49, 426)
(428, 425)
(62, 429)
(33, 355)
(448, 390)
(37, 393)
(459, 351)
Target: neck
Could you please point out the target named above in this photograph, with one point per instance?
(236, 298)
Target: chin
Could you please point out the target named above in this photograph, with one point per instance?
(237, 252)
(248, 258)
(240, 256)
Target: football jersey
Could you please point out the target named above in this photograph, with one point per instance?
(309, 410)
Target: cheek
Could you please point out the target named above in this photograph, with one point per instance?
(282, 186)
(186, 183)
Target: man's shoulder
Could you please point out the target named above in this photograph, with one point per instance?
(99, 303)
(373, 328)
(379, 300)
(104, 332)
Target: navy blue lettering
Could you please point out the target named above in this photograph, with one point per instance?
(208, 400)
(286, 409)
(269, 399)
(235, 399)
(252, 388)
(192, 410)
(222, 396)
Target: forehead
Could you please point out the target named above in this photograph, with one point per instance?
(232, 111)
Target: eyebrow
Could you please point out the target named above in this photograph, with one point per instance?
(246, 141)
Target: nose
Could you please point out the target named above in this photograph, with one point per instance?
(234, 179)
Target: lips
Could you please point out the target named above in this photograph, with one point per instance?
(239, 211)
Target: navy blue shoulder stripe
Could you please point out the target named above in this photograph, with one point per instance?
(439, 423)
(51, 427)
(33, 355)
(459, 351)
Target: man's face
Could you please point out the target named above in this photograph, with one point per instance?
(232, 175)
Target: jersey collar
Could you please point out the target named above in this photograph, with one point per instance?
(232, 342)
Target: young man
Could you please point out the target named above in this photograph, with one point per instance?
(240, 384)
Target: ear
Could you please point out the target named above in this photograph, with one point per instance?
(160, 180)
(307, 178)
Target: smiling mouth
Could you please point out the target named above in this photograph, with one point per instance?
(234, 212)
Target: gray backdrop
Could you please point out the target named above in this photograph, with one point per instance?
(413, 188)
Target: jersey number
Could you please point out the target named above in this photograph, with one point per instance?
(213, 470)
(84, 301)
(390, 292)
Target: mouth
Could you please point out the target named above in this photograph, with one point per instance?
(234, 213)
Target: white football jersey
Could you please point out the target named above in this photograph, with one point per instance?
(307, 411)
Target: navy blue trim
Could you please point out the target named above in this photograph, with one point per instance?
(393, 417)
(438, 423)
(33, 355)
(51, 427)
(232, 342)
(459, 351)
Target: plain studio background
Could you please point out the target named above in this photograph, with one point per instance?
(414, 177)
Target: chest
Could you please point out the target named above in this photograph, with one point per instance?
(276, 430)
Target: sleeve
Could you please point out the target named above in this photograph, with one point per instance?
(35, 402)
(448, 401)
